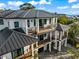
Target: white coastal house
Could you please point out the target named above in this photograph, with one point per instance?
(36, 23)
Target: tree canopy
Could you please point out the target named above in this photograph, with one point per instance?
(63, 19)
(26, 6)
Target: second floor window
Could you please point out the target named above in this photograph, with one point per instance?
(34, 22)
(1, 22)
(16, 24)
(45, 21)
(28, 23)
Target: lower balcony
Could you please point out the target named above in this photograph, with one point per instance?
(43, 43)
(29, 54)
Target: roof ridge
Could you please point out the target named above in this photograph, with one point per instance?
(27, 12)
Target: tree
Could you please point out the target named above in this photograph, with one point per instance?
(73, 33)
(63, 19)
(26, 6)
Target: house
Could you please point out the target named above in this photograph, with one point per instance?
(14, 44)
(40, 24)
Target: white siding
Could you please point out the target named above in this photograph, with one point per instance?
(6, 56)
(4, 25)
(26, 49)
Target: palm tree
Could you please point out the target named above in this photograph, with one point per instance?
(26, 6)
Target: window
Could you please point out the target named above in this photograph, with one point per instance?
(16, 24)
(45, 21)
(28, 23)
(1, 22)
(34, 22)
(49, 21)
(17, 52)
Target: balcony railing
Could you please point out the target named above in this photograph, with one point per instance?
(43, 43)
(29, 54)
(33, 30)
(45, 27)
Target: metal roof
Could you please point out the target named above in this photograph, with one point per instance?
(5, 13)
(61, 27)
(29, 14)
(11, 40)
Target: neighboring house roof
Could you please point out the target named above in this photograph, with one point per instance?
(29, 14)
(61, 27)
(5, 13)
(11, 40)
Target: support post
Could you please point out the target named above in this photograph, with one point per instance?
(32, 51)
(59, 48)
(55, 46)
(50, 46)
(37, 24)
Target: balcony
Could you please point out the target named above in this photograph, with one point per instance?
(43, 43)
(25, 56)
(42, 29)
(29, 54)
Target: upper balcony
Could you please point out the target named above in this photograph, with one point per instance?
(41, 29)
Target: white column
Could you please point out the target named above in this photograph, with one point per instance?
(37, 24)
(59, 48)
(55, 46)
(56, 22)
(50, 36)
(32, 51)
(36, 52)
(50, 46)
(45, 47)
(61, 35)
(65, 42)
(26, 27)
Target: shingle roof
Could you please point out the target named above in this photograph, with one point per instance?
(61, 27)
(5, 13)
(11, 40)
(29, 14)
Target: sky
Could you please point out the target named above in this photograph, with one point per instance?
(60, 6)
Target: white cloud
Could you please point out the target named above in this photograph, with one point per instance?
(63, 7)
(70, 1)
(2, 5)
(15, 3)
(45, 2)
(40, 2)
(33, 2)
(75, 6)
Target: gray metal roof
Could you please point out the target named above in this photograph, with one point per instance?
(5, 13)
(11, 40)
(61, 27)
(29, 14)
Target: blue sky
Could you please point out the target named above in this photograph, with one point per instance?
(60, 6)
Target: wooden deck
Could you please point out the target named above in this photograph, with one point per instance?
(29, 54)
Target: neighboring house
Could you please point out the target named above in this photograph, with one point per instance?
(14, 44)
